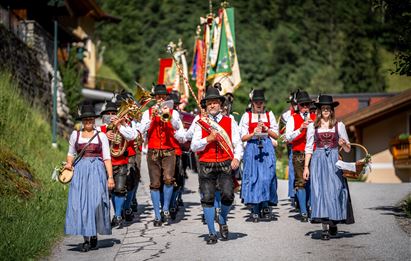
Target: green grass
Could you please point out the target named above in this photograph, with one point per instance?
(395, 83)
(406, 206)
(31, 213)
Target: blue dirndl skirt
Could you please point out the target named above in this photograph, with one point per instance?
(330, 199)
(259, 182)
(88, 208)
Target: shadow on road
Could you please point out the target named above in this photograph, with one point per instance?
(231, 236)
(105, 243)
(316, 234)
(390, 210)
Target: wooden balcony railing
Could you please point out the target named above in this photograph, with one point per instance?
(401, 152)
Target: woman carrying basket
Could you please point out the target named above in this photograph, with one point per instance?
(330, 199)
(88, 208)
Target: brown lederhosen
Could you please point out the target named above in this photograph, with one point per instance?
(161, 163)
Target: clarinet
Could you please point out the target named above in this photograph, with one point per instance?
(260, 141)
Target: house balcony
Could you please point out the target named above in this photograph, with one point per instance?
(401, 152)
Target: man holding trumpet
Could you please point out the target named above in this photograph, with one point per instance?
(161, 123)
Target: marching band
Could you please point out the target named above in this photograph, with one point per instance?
(221, 146)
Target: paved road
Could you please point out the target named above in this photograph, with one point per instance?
(374, 236)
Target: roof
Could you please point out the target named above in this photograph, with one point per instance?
(88, 8)
(380, 109)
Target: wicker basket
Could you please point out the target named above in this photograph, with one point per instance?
(359, 164)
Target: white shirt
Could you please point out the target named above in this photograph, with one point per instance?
(290, 133)
(286, 115)
(199, 144)
(190, 132)
(104, 142)
(342, 133)
(146, 121)
(244, 122)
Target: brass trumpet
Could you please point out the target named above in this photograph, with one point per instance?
(130, 108)
(164, 116)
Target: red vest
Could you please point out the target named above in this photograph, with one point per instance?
(300, 141)
(252, 126)
(213, 152)
(160, 134)
(121, 160)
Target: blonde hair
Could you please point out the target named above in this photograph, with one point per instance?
(331, 122)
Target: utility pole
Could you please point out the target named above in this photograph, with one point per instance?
(54, 120)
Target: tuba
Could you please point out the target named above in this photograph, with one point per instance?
(130, 108)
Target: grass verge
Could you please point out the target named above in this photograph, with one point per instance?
(32, 209)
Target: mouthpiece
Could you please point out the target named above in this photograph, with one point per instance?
(305, 115)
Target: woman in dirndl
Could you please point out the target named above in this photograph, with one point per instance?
(259, 182)
(88, 208)
(330, 197)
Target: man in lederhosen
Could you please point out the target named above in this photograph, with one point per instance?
(216, 164)
(296, 130)
(160, 123)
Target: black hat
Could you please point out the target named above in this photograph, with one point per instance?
(326, 100)
(293, 97)
(303, 97)
(159, 89)
(258, 95)
(175, 97)
(87, 111)
(213, 93)
(109, 107)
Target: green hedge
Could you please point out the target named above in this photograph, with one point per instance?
(31, 213)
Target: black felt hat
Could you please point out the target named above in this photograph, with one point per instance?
(213, 94)
(303, 97)
(293, 97)
(109, 107)
(258, 95)
(175, 97)
(160, 89)
(326, 100)
(87, 111)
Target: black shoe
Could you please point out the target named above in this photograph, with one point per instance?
(255, 218)
(167, 218)
(93, 243)
(180, 203)
(157, 223)
(325, 235)
(128, 215)
(117, 222)
(333, 230)
(223, 231)
(304, 218)
(212, 239)
(85, 247)
(266, 213)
